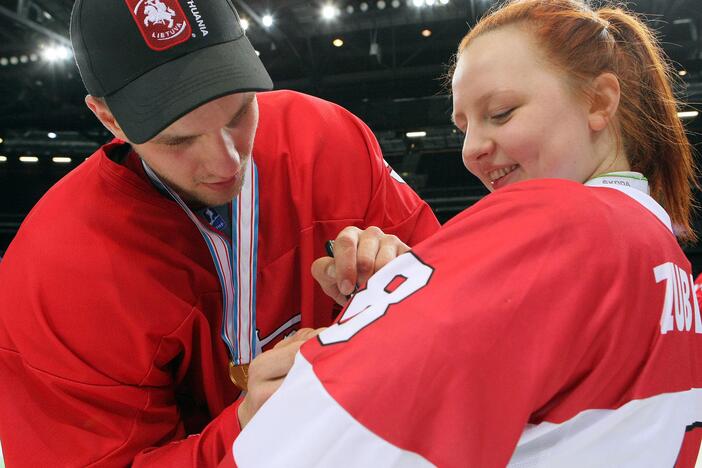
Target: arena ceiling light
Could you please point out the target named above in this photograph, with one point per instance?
(338, 42)
(61, 160)
(329, 12)
(3, 159)
(51, 135)
(688, 114)
(56, 53)
(1, 141)
(29, 159)
(267, 20)
(428, 3)
(426, 32)
(416, 134)
(244, 23)
(682, 72)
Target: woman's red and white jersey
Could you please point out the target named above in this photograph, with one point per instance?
(551, 324)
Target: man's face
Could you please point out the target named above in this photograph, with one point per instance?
(203, 155)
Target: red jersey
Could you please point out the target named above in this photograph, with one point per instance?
(551, 324)
(110, 306)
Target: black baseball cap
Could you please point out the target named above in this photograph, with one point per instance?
(153, 61)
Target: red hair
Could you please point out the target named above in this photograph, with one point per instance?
(583, 43)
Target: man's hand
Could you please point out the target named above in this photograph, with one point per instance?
(267, 371)
(357, 255)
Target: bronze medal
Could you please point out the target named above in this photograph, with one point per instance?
(239, 375)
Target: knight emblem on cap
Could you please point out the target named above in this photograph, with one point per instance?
(158, 12)
(162, 23)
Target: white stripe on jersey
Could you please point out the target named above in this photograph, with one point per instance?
(302, 412)
(641, 433)
(643, 198)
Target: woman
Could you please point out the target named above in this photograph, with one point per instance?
(551, 324)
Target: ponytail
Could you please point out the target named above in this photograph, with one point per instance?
(654, 137)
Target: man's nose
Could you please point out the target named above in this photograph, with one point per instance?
(223, 159)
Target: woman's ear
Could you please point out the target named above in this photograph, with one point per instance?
(605, 101)
(102, 112)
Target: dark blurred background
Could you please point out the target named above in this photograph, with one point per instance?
(382, 59)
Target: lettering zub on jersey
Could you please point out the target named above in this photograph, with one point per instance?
(680, 307)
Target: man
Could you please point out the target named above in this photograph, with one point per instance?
(137, 292)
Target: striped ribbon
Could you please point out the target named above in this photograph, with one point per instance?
(235, 261)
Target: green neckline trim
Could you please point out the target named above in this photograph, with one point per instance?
(619, 174)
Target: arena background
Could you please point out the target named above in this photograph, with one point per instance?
(382, 59)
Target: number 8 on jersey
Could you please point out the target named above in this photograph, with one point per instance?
(392, 284)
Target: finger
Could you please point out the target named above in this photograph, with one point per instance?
(345, 246)
(333, 292)
(368, 247)
(390, 248)
(273, 363)
(303, 334)
(277, 362)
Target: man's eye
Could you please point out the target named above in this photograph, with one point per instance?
(182, 142)
(502, 116)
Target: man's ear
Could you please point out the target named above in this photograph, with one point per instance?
(102, 112)
(605, 101)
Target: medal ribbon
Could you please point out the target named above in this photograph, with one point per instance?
(235, 261)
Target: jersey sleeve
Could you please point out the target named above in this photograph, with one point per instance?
(56, 420)
(449, 351)
(209, 448)
(332, 164)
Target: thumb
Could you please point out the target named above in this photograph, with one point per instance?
(324, 271)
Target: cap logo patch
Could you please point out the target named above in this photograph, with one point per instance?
(162, 23)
